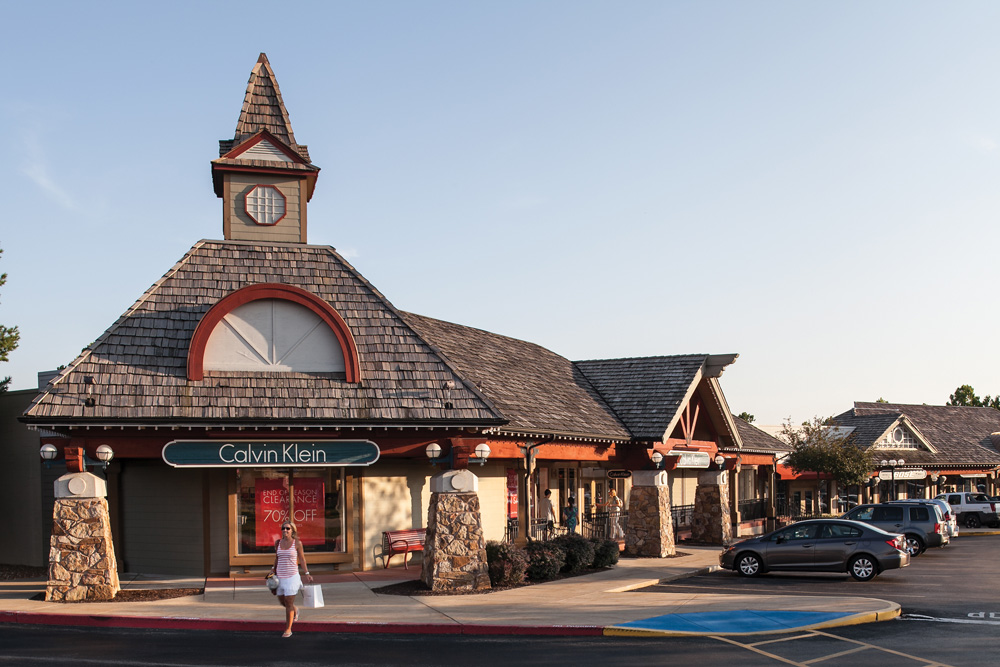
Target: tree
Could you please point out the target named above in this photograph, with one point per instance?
(966, 395)
(881, 400)
(816, 447)
(9, 337)
(746, 416)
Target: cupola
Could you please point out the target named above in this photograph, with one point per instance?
(264, 178)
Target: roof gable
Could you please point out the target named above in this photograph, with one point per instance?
(954, 435)
(648, 393)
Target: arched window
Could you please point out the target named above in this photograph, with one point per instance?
(273, 328)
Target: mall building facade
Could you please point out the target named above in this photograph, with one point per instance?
(263, 377)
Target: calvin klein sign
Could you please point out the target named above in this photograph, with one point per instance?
(269, 453)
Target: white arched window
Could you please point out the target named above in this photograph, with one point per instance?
(273, 335)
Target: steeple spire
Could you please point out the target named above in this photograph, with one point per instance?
(263, 176)
(263, 108)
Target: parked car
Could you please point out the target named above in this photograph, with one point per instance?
(974, 509)
(819, 545)
(947, 513)
(923, 525)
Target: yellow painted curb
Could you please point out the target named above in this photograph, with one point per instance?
(854, 619)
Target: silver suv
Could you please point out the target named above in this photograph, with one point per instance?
(949, 515)
(923, 525)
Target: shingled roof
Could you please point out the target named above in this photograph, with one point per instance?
(136, 371)
(537, 390)
(757, 440)
(264, 110)
(644, 392)
(960, 435)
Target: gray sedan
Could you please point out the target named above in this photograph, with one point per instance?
(819, 545)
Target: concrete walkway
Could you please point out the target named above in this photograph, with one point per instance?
(591, 605)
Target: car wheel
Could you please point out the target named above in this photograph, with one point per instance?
(914, 545)
(863, 568)
(972, 521)
(748, 565)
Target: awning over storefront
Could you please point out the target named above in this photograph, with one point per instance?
(269, 454)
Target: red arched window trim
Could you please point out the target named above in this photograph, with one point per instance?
(230, 302)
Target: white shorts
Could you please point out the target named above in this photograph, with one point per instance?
(289, 585)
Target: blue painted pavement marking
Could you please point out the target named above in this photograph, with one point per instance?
(739, 620)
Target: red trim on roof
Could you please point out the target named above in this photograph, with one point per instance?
(244, 146)
(232, 301)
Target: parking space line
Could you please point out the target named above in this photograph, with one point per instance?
(856, 649)
(783, 639)
(756, 650)
(880, 648)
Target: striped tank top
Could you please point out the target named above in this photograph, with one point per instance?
(288, 561)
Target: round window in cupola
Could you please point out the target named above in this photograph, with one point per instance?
(265, 204)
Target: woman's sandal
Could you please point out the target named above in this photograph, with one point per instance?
(286, 634)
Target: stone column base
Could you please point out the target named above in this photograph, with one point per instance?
(81, 553)
(455, 548)
(650, 530)
(711, 523)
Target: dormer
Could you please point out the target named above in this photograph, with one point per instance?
(264, 178)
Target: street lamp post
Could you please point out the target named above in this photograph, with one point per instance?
(892, 464)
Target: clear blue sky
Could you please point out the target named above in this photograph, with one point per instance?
(811, 185)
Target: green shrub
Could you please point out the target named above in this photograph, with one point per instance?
(545, 559)
(605, 553)
(507, 564)
(579, 552)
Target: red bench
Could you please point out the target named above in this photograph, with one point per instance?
(401, 542)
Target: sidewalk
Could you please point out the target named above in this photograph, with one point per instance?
(591, 605)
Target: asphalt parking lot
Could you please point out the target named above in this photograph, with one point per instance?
(957, 583)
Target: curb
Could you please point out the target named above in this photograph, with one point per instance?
(186, 623)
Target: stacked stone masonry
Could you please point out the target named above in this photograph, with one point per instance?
(650, 530)
(455, 547)
(82, 562)
(711, 522)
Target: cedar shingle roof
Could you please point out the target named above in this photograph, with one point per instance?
(755, 439)
(961, 435)
(534, 388)
(644, 392)
(138, 366)
(263, 109)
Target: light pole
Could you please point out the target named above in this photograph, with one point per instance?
(892, 464)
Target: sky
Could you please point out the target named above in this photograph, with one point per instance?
(813, 186)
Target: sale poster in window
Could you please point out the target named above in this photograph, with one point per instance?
(271, 500)
(309, 510)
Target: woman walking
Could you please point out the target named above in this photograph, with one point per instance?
(288, 558)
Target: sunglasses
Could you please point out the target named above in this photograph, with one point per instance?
(286, 527)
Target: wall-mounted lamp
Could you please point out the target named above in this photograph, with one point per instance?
(657, 459)
(719, 460)
(483, 452)
(433, 452)
(104, 454)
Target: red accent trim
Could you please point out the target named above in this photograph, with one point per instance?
(232, 301)
(236, 151)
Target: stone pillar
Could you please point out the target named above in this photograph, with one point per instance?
(711, 523)
(455, 547)
(772, 494)
(81, 553)
(650, 529)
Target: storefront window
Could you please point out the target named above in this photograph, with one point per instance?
(314, 498)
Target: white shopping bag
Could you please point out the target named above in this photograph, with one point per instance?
(312, 596)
